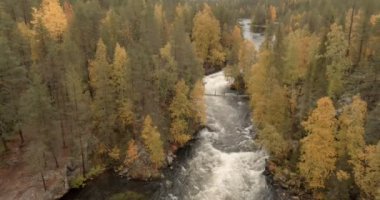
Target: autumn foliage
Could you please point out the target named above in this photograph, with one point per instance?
(318, 154)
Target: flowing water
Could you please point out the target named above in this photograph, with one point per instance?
(223, 163)
(256, 38)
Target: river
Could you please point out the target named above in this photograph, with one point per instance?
(222, 163)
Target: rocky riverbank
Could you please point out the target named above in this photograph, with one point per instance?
(285, 188)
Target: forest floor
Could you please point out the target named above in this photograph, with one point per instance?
(18, 181)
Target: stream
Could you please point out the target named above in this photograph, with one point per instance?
(222, 163)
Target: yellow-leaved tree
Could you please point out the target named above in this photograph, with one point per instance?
(336, 51)
(152, 141)
(367, 172)
(206, 36)
(272, 13)
(119, 74)
(132, 153)
(247, 57)
(180, 112)
(365, 160)
(197, 99)
(301, 49)
(318, 153)
(120, 86)
(268, 98)
(351, 133)
(52, 17)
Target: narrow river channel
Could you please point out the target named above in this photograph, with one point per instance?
(223, 163)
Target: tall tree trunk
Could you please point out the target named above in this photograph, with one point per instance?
(82, 155)
(90, 89)
(350, 29)
(20, 133)
(63, 133)
(361, 47)
(24, 12)
(55, 158)
(44, 158)
(62, 112)
(43, 180)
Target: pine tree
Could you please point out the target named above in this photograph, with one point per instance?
(38, 111)
(166, 72)
(79, 102)
(183, 51)
(353, 27)
(161, 21)
(12, 79)
(318, 154)
(102, 105)
(152, 140)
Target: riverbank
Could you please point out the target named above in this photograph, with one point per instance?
(110, 185)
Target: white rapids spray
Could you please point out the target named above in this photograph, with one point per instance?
(224, 163)
(256, 38)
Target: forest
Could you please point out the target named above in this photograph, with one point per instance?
(90, 86)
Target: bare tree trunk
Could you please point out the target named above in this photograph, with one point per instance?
(43, 180)
(63, 133)
(55, 159)
(44, 158)
(20, 133)
(61, 118)
(82, 155)
(361, 47)
(24, 12)
(350, 29)
(90, 89)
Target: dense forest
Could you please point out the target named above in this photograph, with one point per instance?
(315, 95)
(95, 85)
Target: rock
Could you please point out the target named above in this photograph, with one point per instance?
(60, 184)
(124, 171)
(295, 198)
(284, 185)
(71, 167)
(168, 184)
(170, 158)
